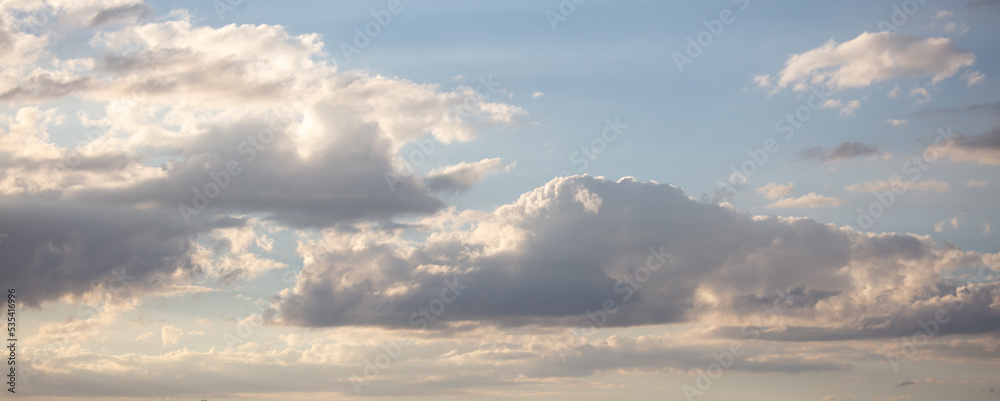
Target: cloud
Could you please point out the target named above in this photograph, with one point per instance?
(942, 14)
(544, 260)
(810, 200)
(940, 226)
(922, 92)
(170, 335)
(314, 146)
(933, 381)
(871, 58)
(846, 109)
(460, 177)
(130, 12)
(973, 77)
(991, 107)
(773, 191)
(844, 151)
(897, 184)
(979, 149)
(537, 95)
(986, 229)
(897, 123)
(982, 3)
(84, 251)
(977, 183)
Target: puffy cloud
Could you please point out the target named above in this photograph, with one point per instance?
(844, 151)
(76, 252)
(871, 58)
(897, 123)
(170, 335)
(312, 146)
(546, 259)
(462, 176)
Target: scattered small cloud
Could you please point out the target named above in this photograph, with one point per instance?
(808, 201)
(537, 95)
(846, 109)
(171, 335)
(897, 184)
(844, 151)
(463, 176)
(773, 191)
(986, 229)
(973, 77)
(942, 14)
(922, 92)
(897, 123)
(976, 183)
(941, 225)
(894, 92)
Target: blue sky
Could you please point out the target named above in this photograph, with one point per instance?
(685, 128)
(517, 167)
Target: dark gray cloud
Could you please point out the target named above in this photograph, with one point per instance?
(993, 107)
(844, 151)
(982, 3)
(987, 140)
(981, 149)
(344, 179)
(55, 249)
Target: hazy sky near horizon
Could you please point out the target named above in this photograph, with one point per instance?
(717, 200)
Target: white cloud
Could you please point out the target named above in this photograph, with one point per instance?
(462, 176)
(894, 92)
(846, 109)
(897, 123)
(973, 77)
(897, 184)
(537, 95)
(986, 229)
(773, 191)
(977, 183)
(871, 58)
(810, 200)
(171, 335)
(941, 225)
(942, 14)
(922, 92)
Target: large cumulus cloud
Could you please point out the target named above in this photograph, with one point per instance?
(565, 248)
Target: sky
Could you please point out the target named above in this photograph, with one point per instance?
(502, 200)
